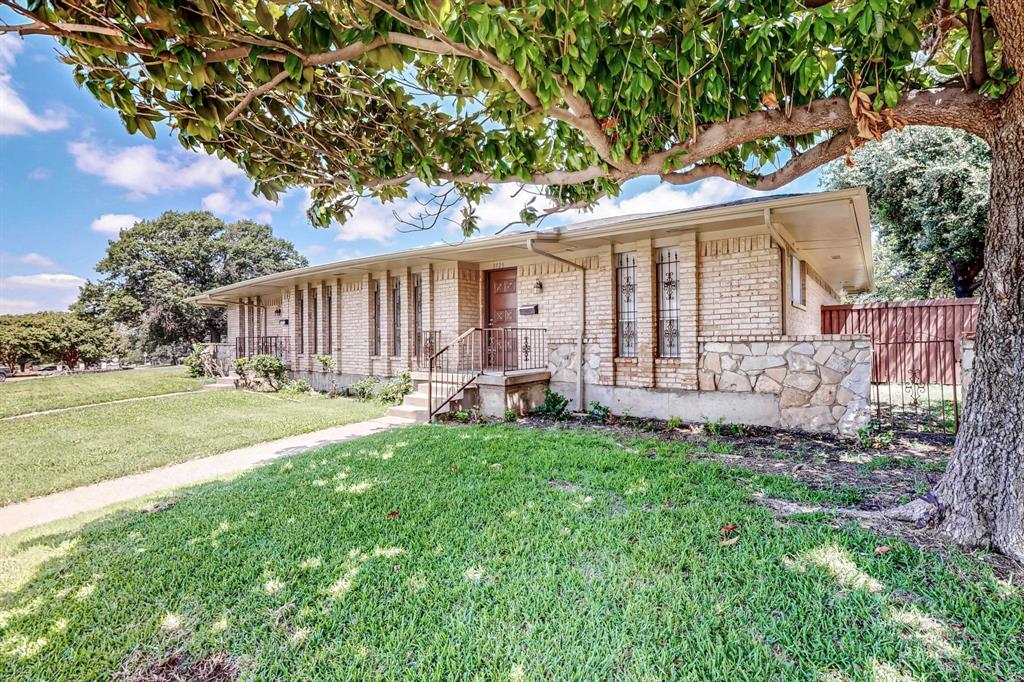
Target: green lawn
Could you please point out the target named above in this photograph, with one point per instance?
(53, 452)
(87, 388)
(493, 553)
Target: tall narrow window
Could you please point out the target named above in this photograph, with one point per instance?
(299, 314)
(328, 320)
(417, 313)
(625, 287)
(396, 315)
(314, 310)
(668, 302)
(375, 322)
(796, 274)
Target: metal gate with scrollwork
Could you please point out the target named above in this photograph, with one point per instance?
(916, 384)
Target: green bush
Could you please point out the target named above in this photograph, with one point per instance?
(297, 387)
(326, 362)
(554, 404)
(394, 391)
(365, 388)
(598, 411)
(261, 371)
(510, 415)
(199, 361)
(674, 423)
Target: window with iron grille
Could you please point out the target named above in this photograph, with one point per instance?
(299, 345)
(668, 302)
(625, 288)
(375, 312)
(314, 310)
(328, 320)
(417, 313)
(396, 315)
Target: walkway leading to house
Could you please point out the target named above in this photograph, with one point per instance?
(62, 505)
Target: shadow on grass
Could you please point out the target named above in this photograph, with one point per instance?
(499, 553)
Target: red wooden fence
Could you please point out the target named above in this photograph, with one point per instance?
(919, 338)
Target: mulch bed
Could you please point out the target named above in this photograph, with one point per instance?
(902, 470)
(890, 474)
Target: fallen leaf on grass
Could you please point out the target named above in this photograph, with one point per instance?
(730, 541)
(882, 549)
(393, 514)
(728, 529)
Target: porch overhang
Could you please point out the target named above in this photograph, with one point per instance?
(829, 230)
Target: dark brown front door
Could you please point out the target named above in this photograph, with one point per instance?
(502, 315)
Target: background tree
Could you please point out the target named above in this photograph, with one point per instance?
(70, 338)
(21, 340)
(928, 189)
(151, 269)
(363, 97)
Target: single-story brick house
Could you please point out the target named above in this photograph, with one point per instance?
(702, 313)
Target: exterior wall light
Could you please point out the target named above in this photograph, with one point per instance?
(538, 287)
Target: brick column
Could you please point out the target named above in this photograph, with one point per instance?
(646, 312)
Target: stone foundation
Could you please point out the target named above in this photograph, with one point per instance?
(819, 383)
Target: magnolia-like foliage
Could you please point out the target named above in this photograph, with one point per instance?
(362, 97)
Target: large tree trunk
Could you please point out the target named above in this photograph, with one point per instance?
(982, 492)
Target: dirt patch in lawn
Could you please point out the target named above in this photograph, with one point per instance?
(885, 476)
(880, 476)
(180, 668)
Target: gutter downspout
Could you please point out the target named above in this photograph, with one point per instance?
(583, 315)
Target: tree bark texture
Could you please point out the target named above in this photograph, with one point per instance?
(982, 490)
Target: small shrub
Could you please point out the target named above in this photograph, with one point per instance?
(460, 416)
(510, 415)
(674, 423)
(554, 404)
(720, 428)
(365, 388)
(394, 391)
(598, 411)
(261, 371)
(200, 362)
(297, 387)
(872, 437)
(326, 362)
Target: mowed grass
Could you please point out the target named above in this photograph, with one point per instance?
(494, 553)
(88, 388)
(47, 453)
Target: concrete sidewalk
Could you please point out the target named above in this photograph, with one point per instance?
(40, 510)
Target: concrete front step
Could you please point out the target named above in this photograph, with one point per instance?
(419, 414)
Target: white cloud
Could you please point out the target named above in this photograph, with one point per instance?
(113, 223)
(224, 203)
(313, 250)
(16, 118)
(144, 172)
(373, 221)
(14, 306)
(39, 174)
(36, 259)
(44, 280)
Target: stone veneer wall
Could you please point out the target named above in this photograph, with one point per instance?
(822, 382)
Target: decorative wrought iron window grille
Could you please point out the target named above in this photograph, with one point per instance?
(625, 310)
(396, 315)
(668, 302)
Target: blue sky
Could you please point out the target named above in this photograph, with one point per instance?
(71, 177)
